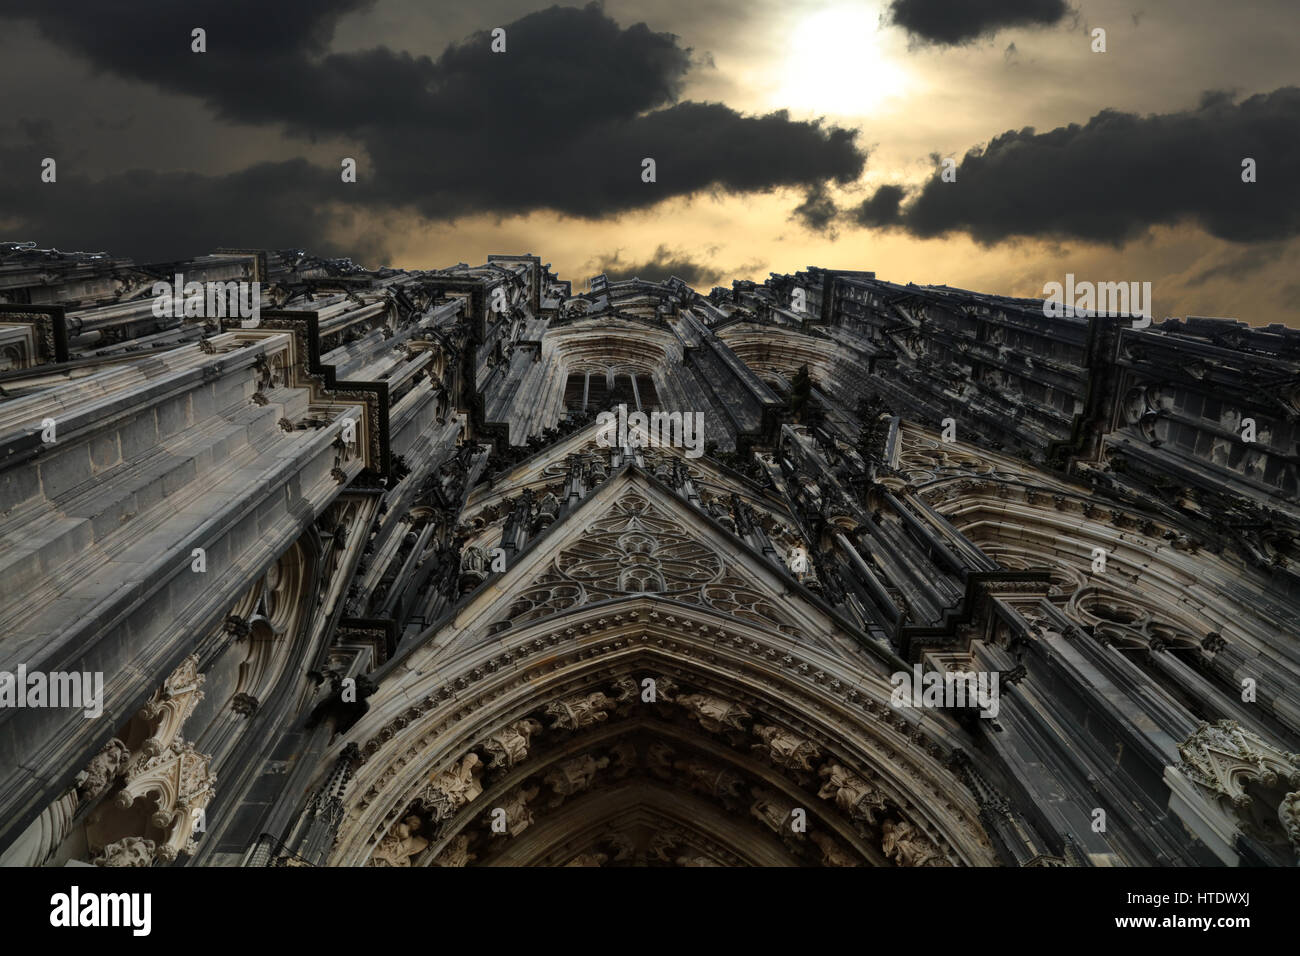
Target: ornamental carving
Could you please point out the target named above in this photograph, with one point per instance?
(713, 713)
(94, 781)
(450, 790)
(903, 843)
(508, 747)
(180, 785)
(851, 794)
(786, 749)
(583, 710)
(131, 851)
(574, 776)
(712, 779)
(456, 853)
(1224, 758)
(636, 548)
(518, 816)
(171, 704)
(403, 843)
(832, 853)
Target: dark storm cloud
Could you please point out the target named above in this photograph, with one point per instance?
(562, 120)
(953, 22)
(882, 209)
(161, 215)
(1112, 178)
(818, 211)
(664, 264)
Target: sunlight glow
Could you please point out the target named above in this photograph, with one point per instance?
(837, 65)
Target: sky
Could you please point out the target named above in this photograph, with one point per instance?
(783, 134)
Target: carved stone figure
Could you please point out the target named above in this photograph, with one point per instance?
(832, 854)
(574, 776)
(663, 842)
(455, 853)
(786, 749)
(518, 817)
(401, 844)
(583, 710)
(659, 760)
(853, 795)
(711, 779)
(473, 568)
(773, 811)
(509, 746)
(102, 770)
(624, 757)
(548, 509)
(131, 851)
(1288, 813)
(907, 846)
(714, 713)
(450, 790)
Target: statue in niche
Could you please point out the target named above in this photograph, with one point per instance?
(711, 779)
(853, 795)
(574, 776)
(832, 854)
(772, 811)
(583, 710)
(907, 846)
(456, 853)
(508, 747)
(786, 749)
(450, 790)
(722, 514)
(401, 844)
(659, 760)
(131, 851)
(473, 568)
(548, 509)
(714, 713)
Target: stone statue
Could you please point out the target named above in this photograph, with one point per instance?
(711, 779)
(518, 817)
(714, 713)
(456, 786)
(102, 770)
(574, 776)
(907, 846)
(473, 568)
(786, 749)
(509, 746)
(401, 844)
(832, 854)
(852, 795)
(624, 756)
(456, 853)
(582, 710)
(773, 811)
(548, 509)
(659, 760)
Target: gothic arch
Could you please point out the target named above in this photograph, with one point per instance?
(741, 677)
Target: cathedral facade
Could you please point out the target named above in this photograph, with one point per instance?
(465, 567)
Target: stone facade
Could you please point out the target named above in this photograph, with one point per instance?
(370, 582)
